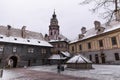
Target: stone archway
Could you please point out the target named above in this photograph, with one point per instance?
(14, 61)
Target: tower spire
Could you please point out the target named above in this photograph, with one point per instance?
(54, 15)
(53, 27)
(54, 11)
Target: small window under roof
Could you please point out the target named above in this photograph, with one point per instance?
(28, 40)
(1, 37)
(38, 41)
(15, 38)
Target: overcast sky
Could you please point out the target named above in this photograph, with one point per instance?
(36, 15)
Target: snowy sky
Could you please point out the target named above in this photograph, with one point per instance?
(36, 15)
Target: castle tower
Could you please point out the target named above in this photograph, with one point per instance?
(53, 28)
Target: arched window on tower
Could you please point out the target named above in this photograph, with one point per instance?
(51, 33)
(54, 32)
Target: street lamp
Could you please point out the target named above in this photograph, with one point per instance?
(59, 63)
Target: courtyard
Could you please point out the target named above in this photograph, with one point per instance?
(49, 72)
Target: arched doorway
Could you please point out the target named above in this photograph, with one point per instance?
(14, 61)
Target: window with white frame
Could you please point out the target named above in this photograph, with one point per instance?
(30, 50)
(1, 48)
(14, 49)
(43, 51)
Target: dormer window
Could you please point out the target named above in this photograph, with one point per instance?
(28, 40)
(38, 41)
(15, 38)
(99, 30)
(81, 36)
(1, 37)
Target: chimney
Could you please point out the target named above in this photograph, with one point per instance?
(117, 15)
(83, 30)
(8, 30)
(23, 33)
(97, 24)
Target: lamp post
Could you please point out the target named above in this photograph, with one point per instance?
(59, 63)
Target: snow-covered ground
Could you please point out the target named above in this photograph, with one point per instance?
(100, 72)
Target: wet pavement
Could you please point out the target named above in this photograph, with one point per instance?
(27, 74)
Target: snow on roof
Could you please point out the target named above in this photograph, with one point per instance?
(56, 56)
(67, 54)
(92, 32)
(19, 40)
(15, 32)
(78, 59)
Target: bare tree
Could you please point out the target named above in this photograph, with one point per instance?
(111, 8)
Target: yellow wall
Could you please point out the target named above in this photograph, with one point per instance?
(107, 44)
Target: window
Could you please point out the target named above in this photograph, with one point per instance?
(38, 41)
(1, 37)
(51, 33)
(99, 29)
(116, 56)
(100, 43)
(80, 47)
(30, 50)
(14, 49)
(114, 41)
(89, 45)
(15, 38)
(0, 60)
(43, 51)
(28, 40)
(65, 45)
(58, 45)
(1, 48)
(73, 48)
(54, 45)
(54, 32)
(90, 56)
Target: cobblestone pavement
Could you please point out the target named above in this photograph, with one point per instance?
(26, 74)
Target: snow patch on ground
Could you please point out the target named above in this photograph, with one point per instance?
(100, 72)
